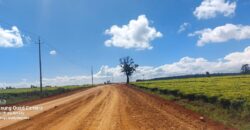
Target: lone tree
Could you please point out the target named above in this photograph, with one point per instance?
(128, 66)
(245, 69)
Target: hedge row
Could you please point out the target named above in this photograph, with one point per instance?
(25, 96)
(238, 104)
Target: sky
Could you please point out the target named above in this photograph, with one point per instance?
(165, 37)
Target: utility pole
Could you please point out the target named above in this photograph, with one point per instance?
(92, 78)
(40, 67)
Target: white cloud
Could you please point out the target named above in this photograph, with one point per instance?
(52, 52)
(183, 27)
(212, 8)
(137, 34)
(106, 71)
(231, 63)
(222, 34)
(10, 38)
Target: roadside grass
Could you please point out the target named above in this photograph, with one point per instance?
(18, 95)
(222, 108)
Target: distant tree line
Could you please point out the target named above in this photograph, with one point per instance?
(33, 86)
(245, 69)
(9, 87)
(192, 76)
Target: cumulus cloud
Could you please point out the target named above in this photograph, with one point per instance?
(183, 27)
(53, 52)
(231, 63)
(136, 34)
(212, 8)
(107, 71)
(222, 34)
(10, 38)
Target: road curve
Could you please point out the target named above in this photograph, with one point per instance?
(115, 107)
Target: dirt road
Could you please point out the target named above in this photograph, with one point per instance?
(113, 107)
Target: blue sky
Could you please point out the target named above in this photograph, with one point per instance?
(75, 31)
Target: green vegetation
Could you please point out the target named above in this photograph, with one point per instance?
(17, 95)
(224, 98)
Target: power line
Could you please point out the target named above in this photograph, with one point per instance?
(21, 28)
(47, 43)
(62, 55)
(50, 46)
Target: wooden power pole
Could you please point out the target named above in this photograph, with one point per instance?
(92, 77)
(40, 67)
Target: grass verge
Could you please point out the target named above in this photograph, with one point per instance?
(19, 95)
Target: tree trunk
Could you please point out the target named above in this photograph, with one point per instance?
(127, 79)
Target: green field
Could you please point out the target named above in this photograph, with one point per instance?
(18, 95)
(223, 98)
(229, 91)
(27, 90)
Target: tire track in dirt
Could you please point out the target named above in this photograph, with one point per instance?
(116, 107)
